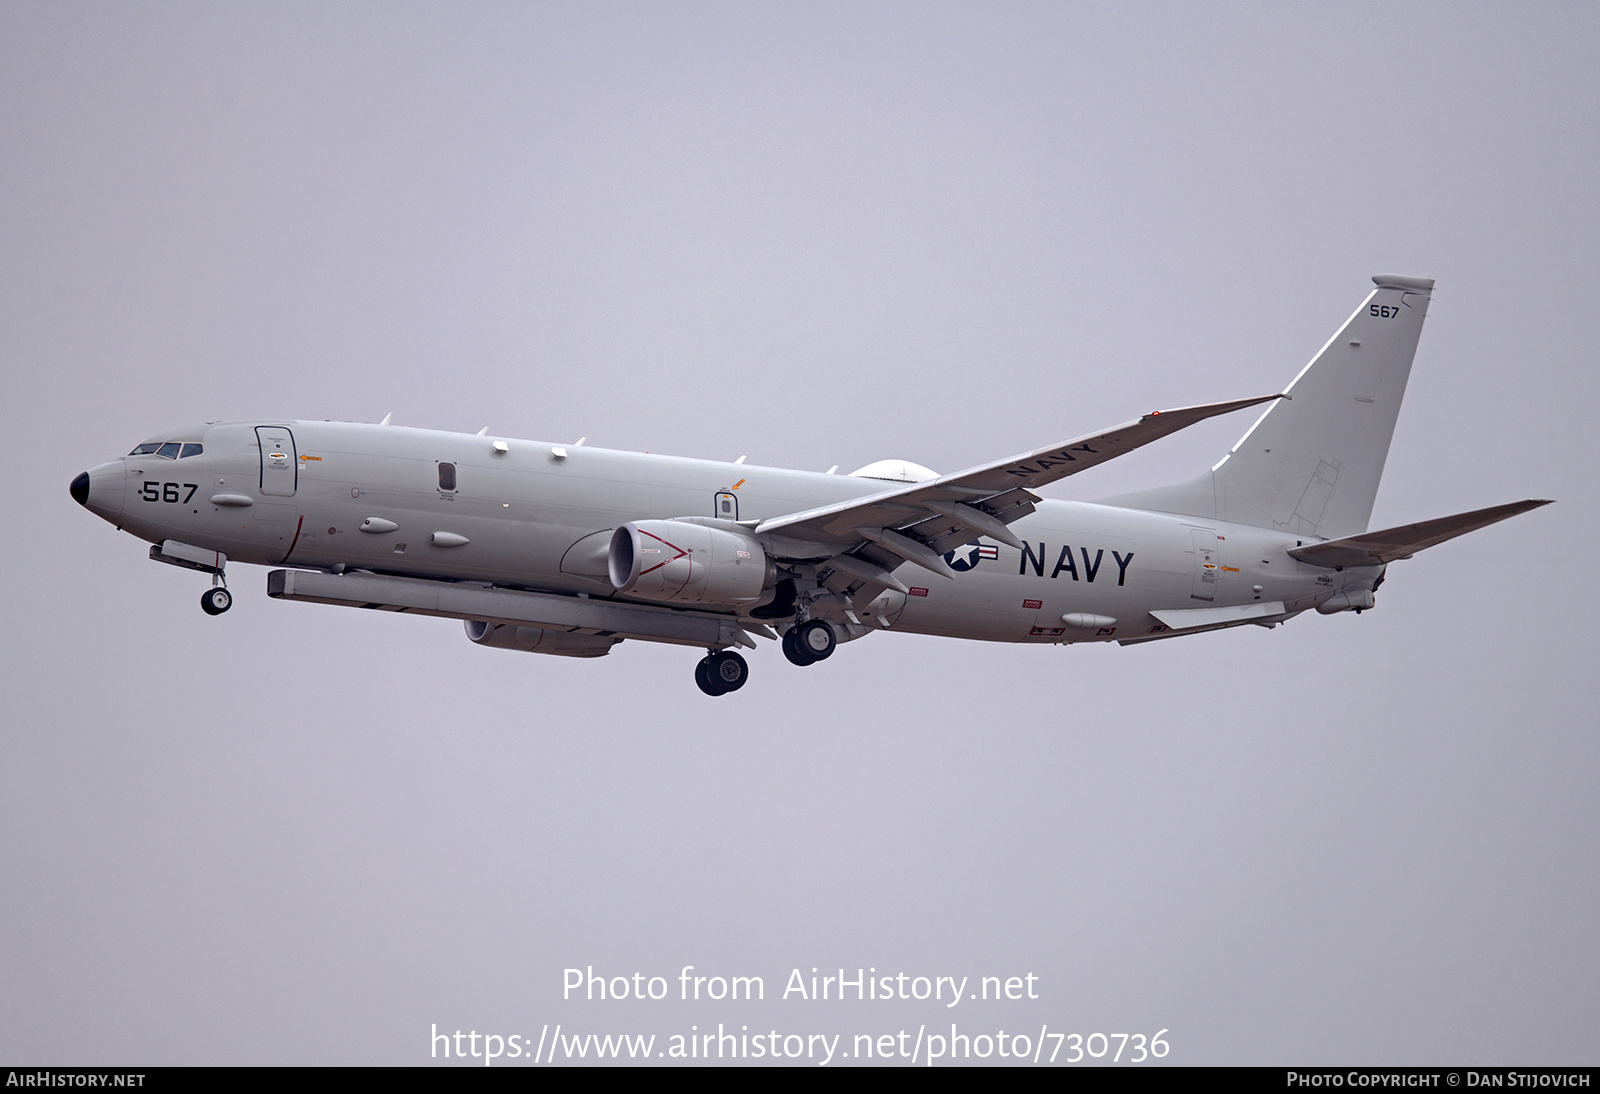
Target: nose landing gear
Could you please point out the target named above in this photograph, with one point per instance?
(217, 599)
(720, 672)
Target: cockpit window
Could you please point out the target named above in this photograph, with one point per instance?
(172, 450)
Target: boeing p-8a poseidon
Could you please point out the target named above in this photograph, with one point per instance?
(569, 550)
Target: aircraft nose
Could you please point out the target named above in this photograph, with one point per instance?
(100, 490)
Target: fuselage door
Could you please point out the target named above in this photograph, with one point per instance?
(279, 470)
(1207, 564)
(726, 506)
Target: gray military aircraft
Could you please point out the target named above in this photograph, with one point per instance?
(567, 550)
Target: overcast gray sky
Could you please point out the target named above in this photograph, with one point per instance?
(814, 234)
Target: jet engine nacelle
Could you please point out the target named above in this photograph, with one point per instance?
(685, 562)
(507, 636)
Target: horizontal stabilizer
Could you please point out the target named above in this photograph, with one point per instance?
(1377, 548)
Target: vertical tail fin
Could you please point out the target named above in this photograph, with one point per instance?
(1311, 464)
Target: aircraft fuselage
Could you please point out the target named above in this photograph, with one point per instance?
(533, 515)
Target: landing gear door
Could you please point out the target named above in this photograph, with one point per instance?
(1207, 565)
(279, 464)
(726, 506)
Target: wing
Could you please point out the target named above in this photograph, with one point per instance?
(865, 538)
(1392, 544)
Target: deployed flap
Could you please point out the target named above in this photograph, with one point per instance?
(1183, 619)
(950, 510)
(1377, 548)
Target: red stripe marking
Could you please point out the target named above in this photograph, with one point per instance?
(293, 541)
(681, 552)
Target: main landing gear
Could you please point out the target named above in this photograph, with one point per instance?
(810, 642)
(720, 672)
